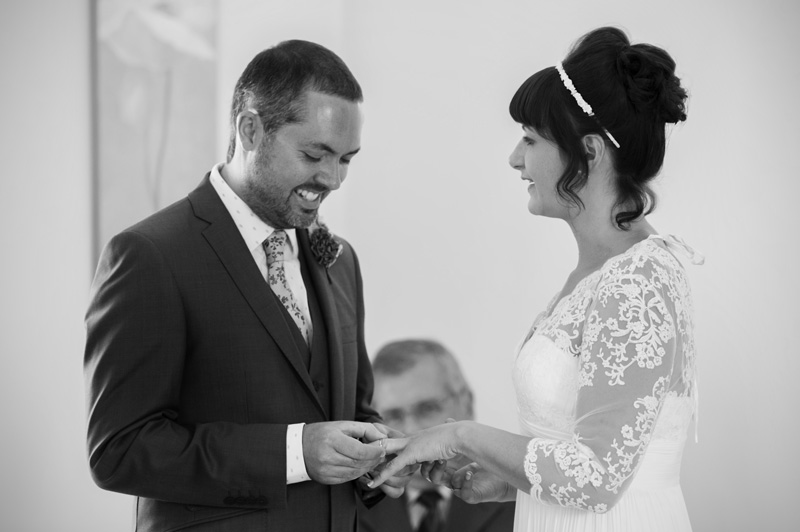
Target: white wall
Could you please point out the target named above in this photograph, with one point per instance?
(430, 188)
(438, 81)
(45, 271)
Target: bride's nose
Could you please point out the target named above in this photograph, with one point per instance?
(516, 159)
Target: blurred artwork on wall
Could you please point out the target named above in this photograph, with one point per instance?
(154, 106)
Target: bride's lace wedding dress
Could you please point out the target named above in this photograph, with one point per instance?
(605, 386)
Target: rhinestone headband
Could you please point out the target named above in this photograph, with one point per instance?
(583, 104)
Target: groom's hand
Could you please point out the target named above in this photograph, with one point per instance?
(388, 432)
(333, 453)
(396, 485)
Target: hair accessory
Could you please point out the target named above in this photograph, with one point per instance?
(583, 104)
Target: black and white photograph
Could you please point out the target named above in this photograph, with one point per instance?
(420, 266)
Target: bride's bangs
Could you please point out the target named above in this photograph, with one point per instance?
(532, 104)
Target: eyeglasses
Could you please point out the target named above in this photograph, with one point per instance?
(428, 411)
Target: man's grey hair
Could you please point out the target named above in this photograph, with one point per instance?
(397, 357)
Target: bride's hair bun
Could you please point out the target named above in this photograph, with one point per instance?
(648, 75)
(633, 93)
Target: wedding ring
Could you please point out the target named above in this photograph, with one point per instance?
(380, 442)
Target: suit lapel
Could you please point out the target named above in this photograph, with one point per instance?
(319, 277)
(225, 239)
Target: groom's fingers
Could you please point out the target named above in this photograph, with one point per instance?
(360, 452)
(389, 431)
(333, 455)
(335, 468)
(364, 431)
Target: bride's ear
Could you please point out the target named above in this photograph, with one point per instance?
(595, 149)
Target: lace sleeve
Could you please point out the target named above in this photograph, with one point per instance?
(627, 353)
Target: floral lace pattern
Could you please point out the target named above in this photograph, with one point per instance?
(624, 336)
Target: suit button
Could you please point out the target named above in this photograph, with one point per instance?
(317, 385)
(240, 500)
(261, 501)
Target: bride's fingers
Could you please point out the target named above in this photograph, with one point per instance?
(425, 470)
(465, 492)
(395, 445)
(462, 479)
(461, 482)
(438, 473)
(390, 469)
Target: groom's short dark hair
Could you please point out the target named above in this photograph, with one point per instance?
(275, 80)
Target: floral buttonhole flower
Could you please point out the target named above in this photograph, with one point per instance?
(324, 246)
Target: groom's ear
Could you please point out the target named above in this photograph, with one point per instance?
(249, 130)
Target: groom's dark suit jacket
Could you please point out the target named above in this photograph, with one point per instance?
(392, 516)
(194, 370)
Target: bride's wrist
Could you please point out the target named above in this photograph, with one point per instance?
(464, 437)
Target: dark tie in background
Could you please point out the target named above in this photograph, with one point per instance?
(429, 499)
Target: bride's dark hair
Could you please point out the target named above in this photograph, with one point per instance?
(633, 92)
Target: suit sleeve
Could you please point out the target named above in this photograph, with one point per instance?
(365, 383)
(136, 349)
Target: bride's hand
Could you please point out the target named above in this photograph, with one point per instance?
(436, 443)
(473, 484)
(440, 472)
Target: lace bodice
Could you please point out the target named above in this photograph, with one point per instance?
(605, 371)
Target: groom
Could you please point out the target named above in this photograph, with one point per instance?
(228, 383)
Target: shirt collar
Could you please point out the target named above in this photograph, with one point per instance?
(253, 229)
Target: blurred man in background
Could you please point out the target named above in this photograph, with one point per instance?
(419, 384)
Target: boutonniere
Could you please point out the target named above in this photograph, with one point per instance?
(324, 245)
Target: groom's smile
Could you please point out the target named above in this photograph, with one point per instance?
(297, 166)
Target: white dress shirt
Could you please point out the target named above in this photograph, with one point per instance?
(255, 231)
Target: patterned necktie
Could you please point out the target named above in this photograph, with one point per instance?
(275, 247)
(429, 499)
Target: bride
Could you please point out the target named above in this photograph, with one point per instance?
(605, 378)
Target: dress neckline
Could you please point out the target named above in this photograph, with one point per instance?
(558, 298)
